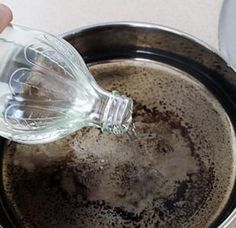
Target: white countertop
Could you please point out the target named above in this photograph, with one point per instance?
(196, 17)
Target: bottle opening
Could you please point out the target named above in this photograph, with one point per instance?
(118, 114)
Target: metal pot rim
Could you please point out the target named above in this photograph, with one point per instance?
(71, 33)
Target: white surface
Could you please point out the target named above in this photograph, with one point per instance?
(196, 17)
(227, 32)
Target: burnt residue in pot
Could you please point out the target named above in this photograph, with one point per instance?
(178, 172)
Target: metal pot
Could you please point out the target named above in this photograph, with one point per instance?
(184, 171)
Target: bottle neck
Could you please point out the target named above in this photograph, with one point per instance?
(113, 113)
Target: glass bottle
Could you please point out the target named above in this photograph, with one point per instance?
(47, 92)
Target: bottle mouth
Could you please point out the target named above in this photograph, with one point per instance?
(118, 114)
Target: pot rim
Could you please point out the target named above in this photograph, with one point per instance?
(134, 24)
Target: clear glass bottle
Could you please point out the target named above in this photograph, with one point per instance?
(47, 92)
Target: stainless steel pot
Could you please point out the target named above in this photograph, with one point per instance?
(185, 103)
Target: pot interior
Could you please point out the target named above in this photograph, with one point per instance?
(178, 172)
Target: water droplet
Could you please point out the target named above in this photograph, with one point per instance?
(132, 134)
